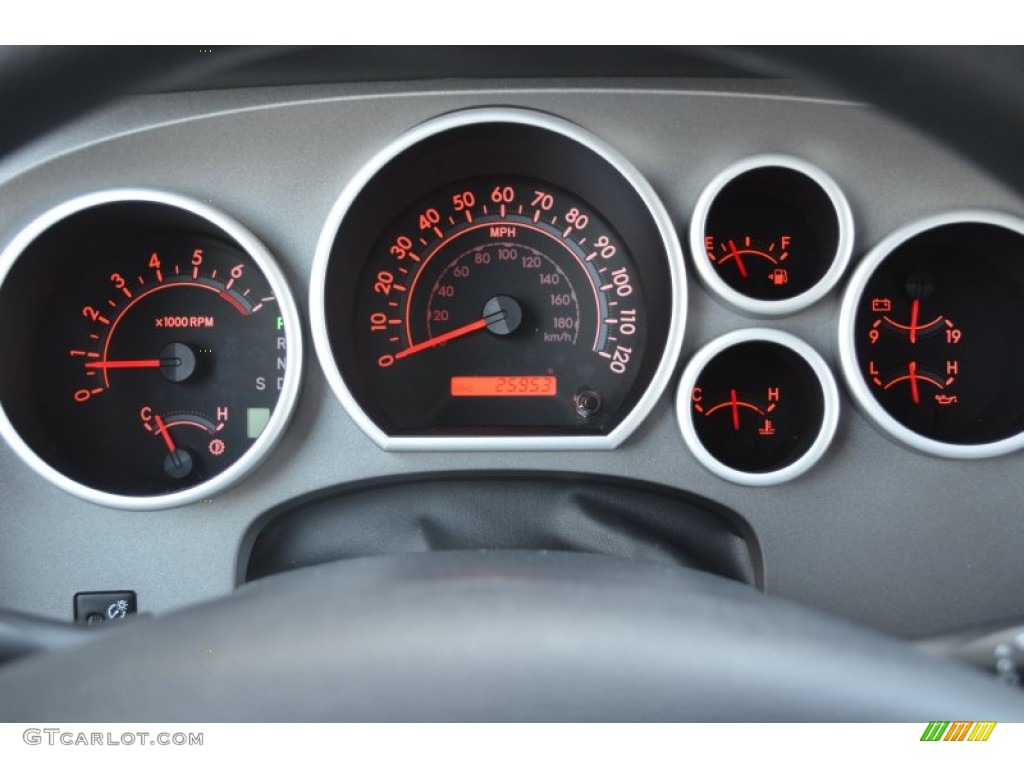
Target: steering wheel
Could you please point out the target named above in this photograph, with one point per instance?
(521, 636)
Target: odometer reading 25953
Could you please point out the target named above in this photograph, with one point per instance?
(498, 301)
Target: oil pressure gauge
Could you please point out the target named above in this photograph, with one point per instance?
(757, 406)
(157, 352)
(928, 334)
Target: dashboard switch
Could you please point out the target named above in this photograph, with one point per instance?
(100, 607)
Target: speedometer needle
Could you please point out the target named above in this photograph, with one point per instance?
(476, 325)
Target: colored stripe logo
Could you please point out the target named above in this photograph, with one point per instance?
(958, 731)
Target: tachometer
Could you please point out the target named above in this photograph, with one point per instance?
(154, 366)
(499, 277)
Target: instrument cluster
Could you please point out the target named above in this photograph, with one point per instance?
(499, 278)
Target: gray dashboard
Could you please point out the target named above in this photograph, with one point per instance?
(911, 544)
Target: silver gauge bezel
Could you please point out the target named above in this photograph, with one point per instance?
(761, 307)
(275, 427)
(862, 394)
(830, 406)
(480, 116)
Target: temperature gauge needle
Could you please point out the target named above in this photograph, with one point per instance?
(476, 325)
(735, 403)
(162, 431)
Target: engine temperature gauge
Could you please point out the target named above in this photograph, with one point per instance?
(757, 407)
(932, 315)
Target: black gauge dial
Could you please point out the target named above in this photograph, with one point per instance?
(157, 359)
(522, 289)
(757, 406)
(500, 301)
(770, 231)
(932, 328)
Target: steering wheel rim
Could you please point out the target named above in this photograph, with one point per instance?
(496, 636)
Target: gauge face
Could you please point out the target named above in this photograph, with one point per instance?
(931, 323)
(508, 302)
(757, 406)
(158, 359)
(524, 290)
(771, 234)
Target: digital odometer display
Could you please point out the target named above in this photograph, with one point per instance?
(504, 386)
(520, 288)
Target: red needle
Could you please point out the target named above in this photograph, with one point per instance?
(162, 431)
(735, 410)
(124, 364)
(736, 255)
(914, 393)
(913, 322)
(476, 325)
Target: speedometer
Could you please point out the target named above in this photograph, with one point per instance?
(521, 307)
(499, 277)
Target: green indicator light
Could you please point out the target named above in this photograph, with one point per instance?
(280, 322)
(255, 421)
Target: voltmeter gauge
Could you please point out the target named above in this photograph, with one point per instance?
(158, 350)
(757, 406)
(927, 329)
(771, 235)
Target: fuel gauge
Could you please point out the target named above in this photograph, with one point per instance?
(757, 407)
(771, 235)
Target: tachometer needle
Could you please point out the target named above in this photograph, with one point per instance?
(735, 403)
(476, 325)
(107, 364)
(162, 431)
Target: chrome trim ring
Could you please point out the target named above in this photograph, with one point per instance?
(830, 406)
(275, 427)
(765, 308)
(855, 383)
(662, 221)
